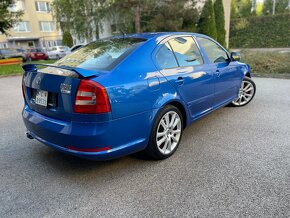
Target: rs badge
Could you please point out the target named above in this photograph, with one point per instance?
(65, 88)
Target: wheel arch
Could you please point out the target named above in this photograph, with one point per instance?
(182, 110)
(180, 106)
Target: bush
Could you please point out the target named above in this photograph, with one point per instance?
(267, 63)
(67, 39)
(271, 31)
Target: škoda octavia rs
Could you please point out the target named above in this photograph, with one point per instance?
(130, 93)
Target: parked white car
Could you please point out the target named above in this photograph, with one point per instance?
(57, 52)
(76, 47)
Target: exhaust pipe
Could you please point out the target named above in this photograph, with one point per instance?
(28, 135)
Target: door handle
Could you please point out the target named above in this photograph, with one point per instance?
(218, 73)
(180, 81)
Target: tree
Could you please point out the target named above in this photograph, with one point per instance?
(220, 22)
(8, 18)
(83, 18)
(153, 15)
(259, 8)
(171, 15)
(243, 8)
(206, 24)
(128, 12)
(67, 39)
(280, 7)
(234, 9)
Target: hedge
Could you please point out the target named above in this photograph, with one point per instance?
(271, 31)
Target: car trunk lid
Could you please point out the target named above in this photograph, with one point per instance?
(51, 91)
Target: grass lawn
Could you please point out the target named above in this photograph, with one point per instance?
(268, 63)
(15, 69)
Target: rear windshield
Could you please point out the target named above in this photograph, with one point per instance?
(102, 54)
(36, 50)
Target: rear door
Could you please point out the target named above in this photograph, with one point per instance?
(182, 64)
(227, 77)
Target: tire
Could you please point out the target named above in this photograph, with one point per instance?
(57, 57)
(246, 93)
(168, 125)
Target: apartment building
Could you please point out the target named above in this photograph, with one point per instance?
(37, 29)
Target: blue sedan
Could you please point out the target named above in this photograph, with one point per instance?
(131, 93)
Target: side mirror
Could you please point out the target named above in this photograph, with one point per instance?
(235, 56)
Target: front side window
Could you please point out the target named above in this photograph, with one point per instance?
(186, 51)
(42, 6)
(46, 26)
(101, 54)
(165, 57)
(22, 27)
(215, 53)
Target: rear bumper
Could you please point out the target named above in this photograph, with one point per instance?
(123, 136)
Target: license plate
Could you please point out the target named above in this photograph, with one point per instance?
(39, 54)
(41, 98)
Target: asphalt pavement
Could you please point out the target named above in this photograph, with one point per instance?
(234, 162)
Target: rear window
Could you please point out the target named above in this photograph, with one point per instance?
(102, 54)
(36, 50)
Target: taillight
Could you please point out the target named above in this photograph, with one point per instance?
(91, 98)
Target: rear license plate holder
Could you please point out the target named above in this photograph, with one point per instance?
(41, 98)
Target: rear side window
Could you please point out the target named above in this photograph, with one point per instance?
(102, 54)
(186, 51)
(215, 53)
(165, 57)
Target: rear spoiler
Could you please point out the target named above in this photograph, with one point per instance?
(79, 71)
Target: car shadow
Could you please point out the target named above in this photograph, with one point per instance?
(68, 165)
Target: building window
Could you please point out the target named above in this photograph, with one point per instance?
(42, 6)
(30, 44)
(16, 6)
(22, 27)
(4, 45)
(46, 26)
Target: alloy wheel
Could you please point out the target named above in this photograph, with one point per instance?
(168, 132)
(246, 93)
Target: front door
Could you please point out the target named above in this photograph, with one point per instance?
(227, 78)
